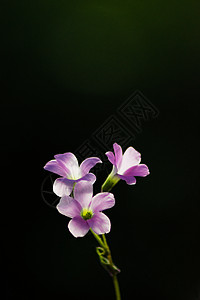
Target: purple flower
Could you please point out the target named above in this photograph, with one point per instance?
(126, 166)
(66, 165)
(85, 210)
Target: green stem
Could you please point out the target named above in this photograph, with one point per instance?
(116, 286)
(107, 186)
(99, 240)
(105, 242)
(105, 246)
(72, 193)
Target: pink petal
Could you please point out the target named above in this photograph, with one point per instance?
(100, 223)
(102, 201)
(78, 227)
(118, 154)
(129, 179)
(83, 192)
(70, 161)
(63, 166)
(69, 207)
(54, 167)
(88, 164)
(139, 170)
(130, 158)
(67, 158)
(63, 186)
(111, 157)
(89, 177)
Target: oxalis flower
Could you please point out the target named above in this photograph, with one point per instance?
(125, 166)
(85, 210)
(66, 165)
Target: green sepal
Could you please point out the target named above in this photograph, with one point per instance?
(100, 251)
(110, 182)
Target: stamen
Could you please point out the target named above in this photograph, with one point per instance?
(86, 213)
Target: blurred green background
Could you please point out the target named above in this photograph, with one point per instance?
(66, 67)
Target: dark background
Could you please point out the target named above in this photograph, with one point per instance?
(66, 67)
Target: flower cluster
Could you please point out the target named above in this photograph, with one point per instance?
(75, 187)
